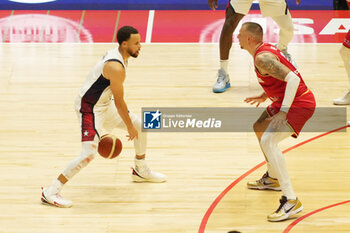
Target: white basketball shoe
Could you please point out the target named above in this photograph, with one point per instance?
(287, 209)
(344, 100)
(142, 173)
(54, 199)
(222, 82)
(265, 183)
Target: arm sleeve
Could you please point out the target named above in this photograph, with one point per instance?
(291, 89)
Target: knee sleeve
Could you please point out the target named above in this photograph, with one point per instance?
(87, 154)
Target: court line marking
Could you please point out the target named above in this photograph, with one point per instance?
(81, 24)
(149, 27)
(234, 183)
(290, 226)
(116, 27)
(7, 32)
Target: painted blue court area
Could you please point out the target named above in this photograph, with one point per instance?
(142, 5)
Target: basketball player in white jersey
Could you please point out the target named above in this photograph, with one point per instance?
(100, 107)
(235, 11)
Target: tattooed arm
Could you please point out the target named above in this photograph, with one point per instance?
(267, 63)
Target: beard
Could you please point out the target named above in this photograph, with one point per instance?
(134, 55)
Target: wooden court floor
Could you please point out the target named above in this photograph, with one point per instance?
(39, 135)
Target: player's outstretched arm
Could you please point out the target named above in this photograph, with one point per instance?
(115, 72)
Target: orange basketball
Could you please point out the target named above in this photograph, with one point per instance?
(109, 146)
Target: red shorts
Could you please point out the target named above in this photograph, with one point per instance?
(299, 113)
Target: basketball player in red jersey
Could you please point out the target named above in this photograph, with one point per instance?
(292, 105)
(101, 107)
(235, 11)
(345, 55)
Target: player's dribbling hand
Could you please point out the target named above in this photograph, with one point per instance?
(256, 99)
(213, 4)
(278, 120)
(132, 133)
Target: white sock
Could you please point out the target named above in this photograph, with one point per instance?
(224, 65)
(54, 188)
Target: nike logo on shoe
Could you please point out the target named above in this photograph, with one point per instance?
(266, 183)
(287, 211)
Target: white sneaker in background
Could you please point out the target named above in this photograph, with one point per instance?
(222, 82)
(344, 100)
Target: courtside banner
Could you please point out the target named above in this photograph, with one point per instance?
(142, 5)
(165, 26)
(229, 119)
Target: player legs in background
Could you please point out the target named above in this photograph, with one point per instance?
(345, 55)
(286, 34)
(231, 21)
(235, 11)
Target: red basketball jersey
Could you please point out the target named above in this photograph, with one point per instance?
(346, 42)
(275, 88)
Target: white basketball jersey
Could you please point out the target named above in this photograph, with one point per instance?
(96, 91)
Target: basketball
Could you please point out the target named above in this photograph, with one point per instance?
(109, 146)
